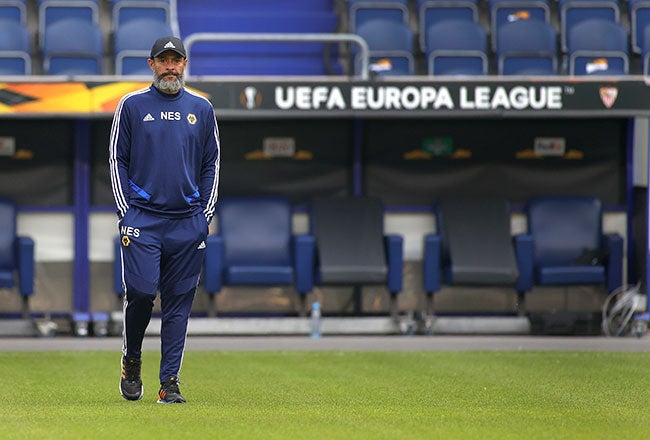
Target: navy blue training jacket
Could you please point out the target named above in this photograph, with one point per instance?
(164, 153)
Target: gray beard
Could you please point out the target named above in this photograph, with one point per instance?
(168, 86)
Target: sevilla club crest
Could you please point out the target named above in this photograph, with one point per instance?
(608, 95)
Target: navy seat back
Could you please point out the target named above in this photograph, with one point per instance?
(597, 35)
(564, 228)
(16, 254)
(15, 10)
(434, 11)
(526, 46)
(565, 245)
(73, 47)
(598, 47)
(124, 11)
(456, 47)
(509, 11)
(15, 51)
(7, 234)
(639, 13)
(572, 12)
(133, 45)
(645, 50)
(255, 247)
(52, 11)
(361, 11)
(391, 40)
(256, 231)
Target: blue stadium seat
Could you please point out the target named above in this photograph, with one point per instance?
(15, 10)
(598, 47)
(390, 44)
(73, 47)
(124, 11)
(526, 47)
(352, 248)
(456, 47)
(507, 11)
(639, 13)
(132, 45)
(572, 12)
(15, 49)
(51, 11)
(360, 11)
(255, 246)
(645, 51)
(16, 255)
(565, 245)
(433, 11)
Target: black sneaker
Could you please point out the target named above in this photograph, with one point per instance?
(130, 382)
(169, 392)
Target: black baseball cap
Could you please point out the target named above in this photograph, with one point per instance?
(168, 43)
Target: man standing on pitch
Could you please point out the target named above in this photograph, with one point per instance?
(164, 163)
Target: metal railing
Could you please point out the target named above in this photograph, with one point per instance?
(277, 37)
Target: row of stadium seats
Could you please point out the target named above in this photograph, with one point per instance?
(50, 11)
(523, 47)
(576, 37)
(565, 13)
(564, 245)
(347, 245)
(528, 37)
(450, 39)
(71, 41)
(70, 38)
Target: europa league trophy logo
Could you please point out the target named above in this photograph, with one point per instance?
(250, 98)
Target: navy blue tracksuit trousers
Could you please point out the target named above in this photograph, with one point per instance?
(166, 255)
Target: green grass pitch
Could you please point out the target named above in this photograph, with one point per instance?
(333, 395)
